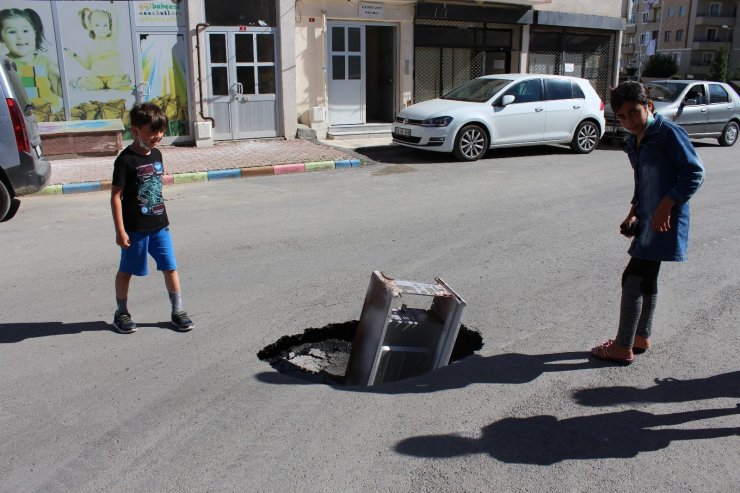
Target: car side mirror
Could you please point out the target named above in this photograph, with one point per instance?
(506, 100)
(690, 102)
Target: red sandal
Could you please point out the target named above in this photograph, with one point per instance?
(602, 352)
(641, 345)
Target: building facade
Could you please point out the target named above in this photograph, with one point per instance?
(689, 31)
(228, 70)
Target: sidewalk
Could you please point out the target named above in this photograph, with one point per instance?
(235, 159)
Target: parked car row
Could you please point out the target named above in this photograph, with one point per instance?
(23, 168)
(531, 109)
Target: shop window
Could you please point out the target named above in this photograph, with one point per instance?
(251, 13)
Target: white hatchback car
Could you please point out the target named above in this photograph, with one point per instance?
(504, 111)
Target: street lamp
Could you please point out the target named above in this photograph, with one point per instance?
(729, 50)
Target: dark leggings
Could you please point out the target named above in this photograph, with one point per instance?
(639, 297)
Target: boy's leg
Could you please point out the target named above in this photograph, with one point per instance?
(160, 247)
(133, 262)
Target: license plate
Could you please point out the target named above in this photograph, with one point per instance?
(612, 129)
(404, 131)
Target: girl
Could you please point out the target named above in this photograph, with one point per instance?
(22, 33)
(667, 173)
(101, 57)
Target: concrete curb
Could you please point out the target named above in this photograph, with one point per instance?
(221, 174)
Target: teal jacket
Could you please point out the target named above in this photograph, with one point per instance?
(665, 163)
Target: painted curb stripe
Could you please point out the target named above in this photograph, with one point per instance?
(168, 180)
(106, 184)
(317, 165)
(257, 171)
(221, 174)
(282, 169)
(190, 177)
(348, 163)
(51, 190)
(88, 186)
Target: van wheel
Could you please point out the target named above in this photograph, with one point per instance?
(471, 143)
(729, 135)
(5, 200)
(585, 137)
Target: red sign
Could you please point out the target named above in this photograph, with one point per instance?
(311, 19)
(242, 28)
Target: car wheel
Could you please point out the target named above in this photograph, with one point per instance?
(5, 200)
(471, 143)
(585, 138)
(15, 204)
(729, 135)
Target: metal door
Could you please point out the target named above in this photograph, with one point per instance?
(242, 83)
(346, 86)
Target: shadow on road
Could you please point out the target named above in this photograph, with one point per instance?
(664, 390)
(510, 368)
(395, 154)
(546, 440)
(10, 333)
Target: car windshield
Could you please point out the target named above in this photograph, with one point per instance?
(477, 90)
(665, 91)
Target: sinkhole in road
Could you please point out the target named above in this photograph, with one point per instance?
(321, 355)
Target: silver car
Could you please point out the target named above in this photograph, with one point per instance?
(705, 109)
(23, 168)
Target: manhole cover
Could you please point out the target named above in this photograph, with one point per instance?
(321, 354)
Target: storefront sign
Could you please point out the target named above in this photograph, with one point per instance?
(372, 10)
(159, 13)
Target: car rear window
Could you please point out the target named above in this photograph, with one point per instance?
(558, 89)
(477, 90)
(665, 91)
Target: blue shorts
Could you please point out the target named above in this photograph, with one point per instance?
(158, 244)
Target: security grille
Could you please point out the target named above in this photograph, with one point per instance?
(579, 54)
(449, 53)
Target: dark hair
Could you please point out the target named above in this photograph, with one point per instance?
(32, 17)
(148, 114)
(629, 92)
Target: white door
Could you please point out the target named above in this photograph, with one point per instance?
(346, 73)
(242, 83)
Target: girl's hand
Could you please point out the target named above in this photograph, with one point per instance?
(662, 215)
(627, 228)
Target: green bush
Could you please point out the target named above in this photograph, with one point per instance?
(660, 66)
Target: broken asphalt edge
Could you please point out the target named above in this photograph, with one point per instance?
(213, 175)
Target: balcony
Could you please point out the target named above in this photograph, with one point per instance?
(712, 19)
(630, 29)
(708, 44)
(628, 49)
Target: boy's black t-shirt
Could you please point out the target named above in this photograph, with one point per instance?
(140, 179)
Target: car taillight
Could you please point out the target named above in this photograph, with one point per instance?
(601, 106)
(19, 126)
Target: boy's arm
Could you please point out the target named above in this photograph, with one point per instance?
(122, 238)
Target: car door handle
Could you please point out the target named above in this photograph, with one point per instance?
(539, 109)
(576, 107)
(703, 110)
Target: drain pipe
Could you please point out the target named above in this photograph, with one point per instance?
(200, 76)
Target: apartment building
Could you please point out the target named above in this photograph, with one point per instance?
(689, 31)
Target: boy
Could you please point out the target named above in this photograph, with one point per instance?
(140, 218)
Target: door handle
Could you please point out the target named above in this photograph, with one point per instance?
(576, 106)
(539, 109)
(239, 89)
(703, 110)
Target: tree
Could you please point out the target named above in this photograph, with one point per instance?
(660, 66)
(719, 70)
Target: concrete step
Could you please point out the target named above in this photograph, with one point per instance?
(366, 131)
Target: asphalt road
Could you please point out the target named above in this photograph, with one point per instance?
(528, 237)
